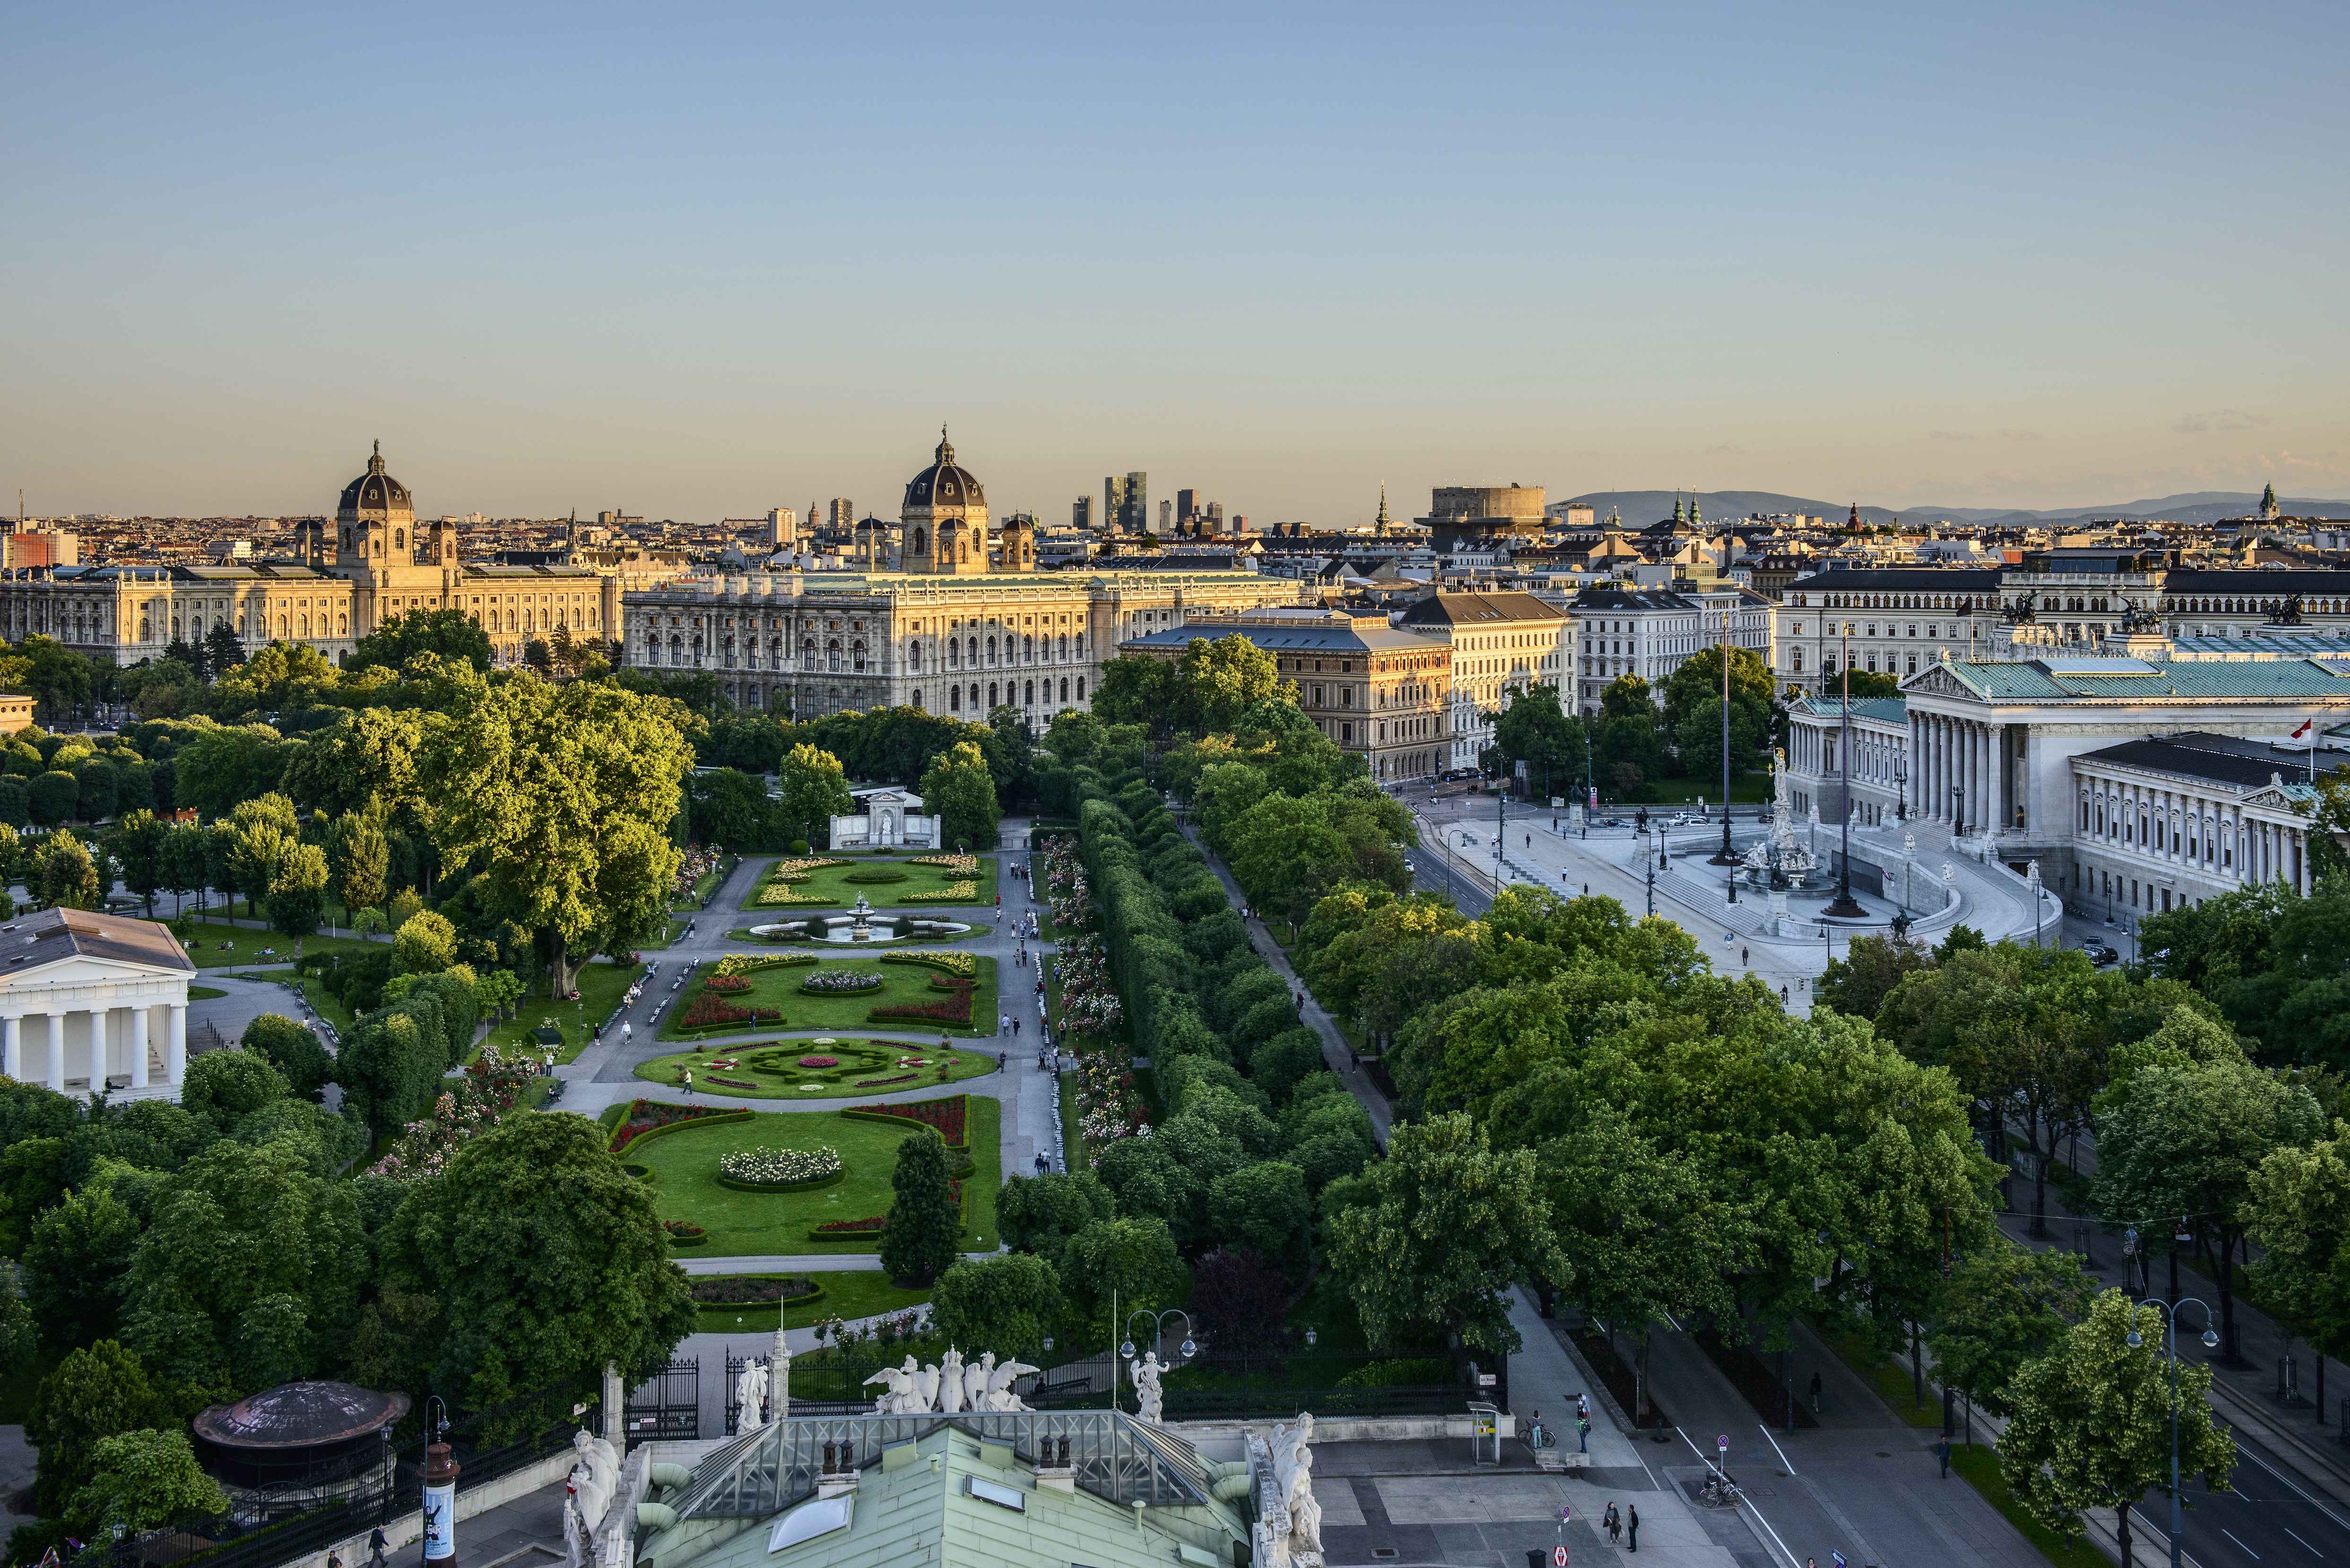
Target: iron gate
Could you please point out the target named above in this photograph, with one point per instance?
(668, 1405)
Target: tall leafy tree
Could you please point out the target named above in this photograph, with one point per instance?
(543, 1261)
(811, 788)
(143, 1478)
(2186, 1140)
(1220, 681)
(2301, 1216)
(960, 791)
(360, 858)
(224, 651)
(1008, 1304)
(925, 1233)
(140, 849)
(1533, 729)
(95, 1393)
(1443, 1228)
(2091, 1427)
(561, 798)
(65, 873)
(2006, 1306)
(297, 892)
(447, 633)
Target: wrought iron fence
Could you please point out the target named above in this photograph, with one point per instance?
(667, 1406)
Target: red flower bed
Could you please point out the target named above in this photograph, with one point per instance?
(874, 1224)
(727, 984)
(885, 1082)
(707, 1012)
(955, 1010)
(644, 1115)
(946, 1117)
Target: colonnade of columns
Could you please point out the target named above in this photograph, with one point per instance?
(1959, 770)
(106, 1034)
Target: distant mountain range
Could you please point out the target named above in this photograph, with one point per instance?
(1639, 508)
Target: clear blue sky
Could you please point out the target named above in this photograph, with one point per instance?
(698, 260)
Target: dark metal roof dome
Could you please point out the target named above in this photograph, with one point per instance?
(300, 1415)
(374, 491)
(944, 484)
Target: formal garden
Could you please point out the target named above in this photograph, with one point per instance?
(731, 1183)
(838, 881)
(945, 991)
(821, 1067)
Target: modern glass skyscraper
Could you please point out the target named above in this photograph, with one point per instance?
(1126, 503)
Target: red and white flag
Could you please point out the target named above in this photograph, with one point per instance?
(2303, 733)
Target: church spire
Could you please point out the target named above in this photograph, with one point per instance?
(1383, 509)
(1677, 507)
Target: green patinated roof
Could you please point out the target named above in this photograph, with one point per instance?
(2136, 679)
(906, 1511)
(1886, 710)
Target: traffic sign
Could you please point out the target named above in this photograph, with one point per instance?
(1565, 1513)
(1722, 1442)
(1558, 1557)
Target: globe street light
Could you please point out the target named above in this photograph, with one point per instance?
(2171, 1335)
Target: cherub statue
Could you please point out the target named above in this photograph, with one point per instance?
(950, 1381)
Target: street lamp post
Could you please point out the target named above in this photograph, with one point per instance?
(1958, 811)
(2170, 1336)
(1901, 783)
(1725, 857)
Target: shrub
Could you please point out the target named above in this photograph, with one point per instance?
(750, 1289)
(873, 874)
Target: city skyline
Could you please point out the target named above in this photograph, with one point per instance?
(1926, 263)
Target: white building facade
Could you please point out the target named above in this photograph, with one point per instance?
(1498, 642)
(94, 1002)
(1651, 632)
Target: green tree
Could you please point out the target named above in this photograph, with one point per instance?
(545, 1259)
(78, 1253)
(960, 792)
(96, 1393)
(249, 1270)
(2301, 1215)
(297, 892)
(143, 1478)
(1130, 1262)
(731, 810)
(1629, 754)
(1863, 684)
(294, 1051)
(99, 788)
(1626, 696)
(1697, 742)
(2093, 1419)
(139, 848)
(1697, 680)
(1039, 1214)
(2186, 1139)
(1218, 681)
(390, 1068)
(53, 798)
(1444, 1227)
(1858, 982)
(62, 682)
(216, 768)
(360, 860)
(925, 1233)
(1008, 1304)
(447, 633)
(811, 790)
(64, 873)
(426, 943)
(224, 651)
(1266, 1208)
(561, 797)
(2006, 1306)
(1533, 729)
(1138, 688)
(186, 848)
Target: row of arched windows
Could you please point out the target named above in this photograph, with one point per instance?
(1018, 694)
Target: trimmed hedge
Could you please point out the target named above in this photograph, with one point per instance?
(801, 1299)
(712, 1119)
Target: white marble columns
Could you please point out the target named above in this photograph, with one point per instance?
(95, 1037)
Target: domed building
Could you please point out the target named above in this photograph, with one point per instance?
(944, 520)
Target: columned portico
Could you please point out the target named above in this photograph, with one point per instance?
(93, 990)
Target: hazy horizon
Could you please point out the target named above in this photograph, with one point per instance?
(695, 265)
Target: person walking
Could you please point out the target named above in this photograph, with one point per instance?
(1004, 1023)
(1942, 1452)
(628, 1031)
(1015, 1028)
(1815, 1392)
(1632, 1525)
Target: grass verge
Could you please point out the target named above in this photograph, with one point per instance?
(1892, 1382)
(1980, 1466)
(601, 986)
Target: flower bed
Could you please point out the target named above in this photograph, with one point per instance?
(885, 1082)
(684, 1233)
(780, 1169)
(726, 984)
(841, 983)
(954, 864)
(873, 1225)
(708, 1012)
(819, 1061)
(777, 896)
(1089, 1004)
(749, 1290)
(953, 893)
(948, 1117)
(956, 1009)
(800, 870)
(731, 1083)
(954, 963)
(648, 1118)
(734, 964)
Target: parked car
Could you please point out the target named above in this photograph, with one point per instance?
(2100, 954)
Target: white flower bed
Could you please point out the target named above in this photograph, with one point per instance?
(779, 1166)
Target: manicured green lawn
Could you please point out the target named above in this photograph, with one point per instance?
(205, 993)
(834, 1082)
(601, 985)
(832, 882)
(743, 934)
(248, 947)
(849, 1294)
(1746, 789)
(1980, 1466)
(323, 1004)
(846, 1015)
(684, 1181)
